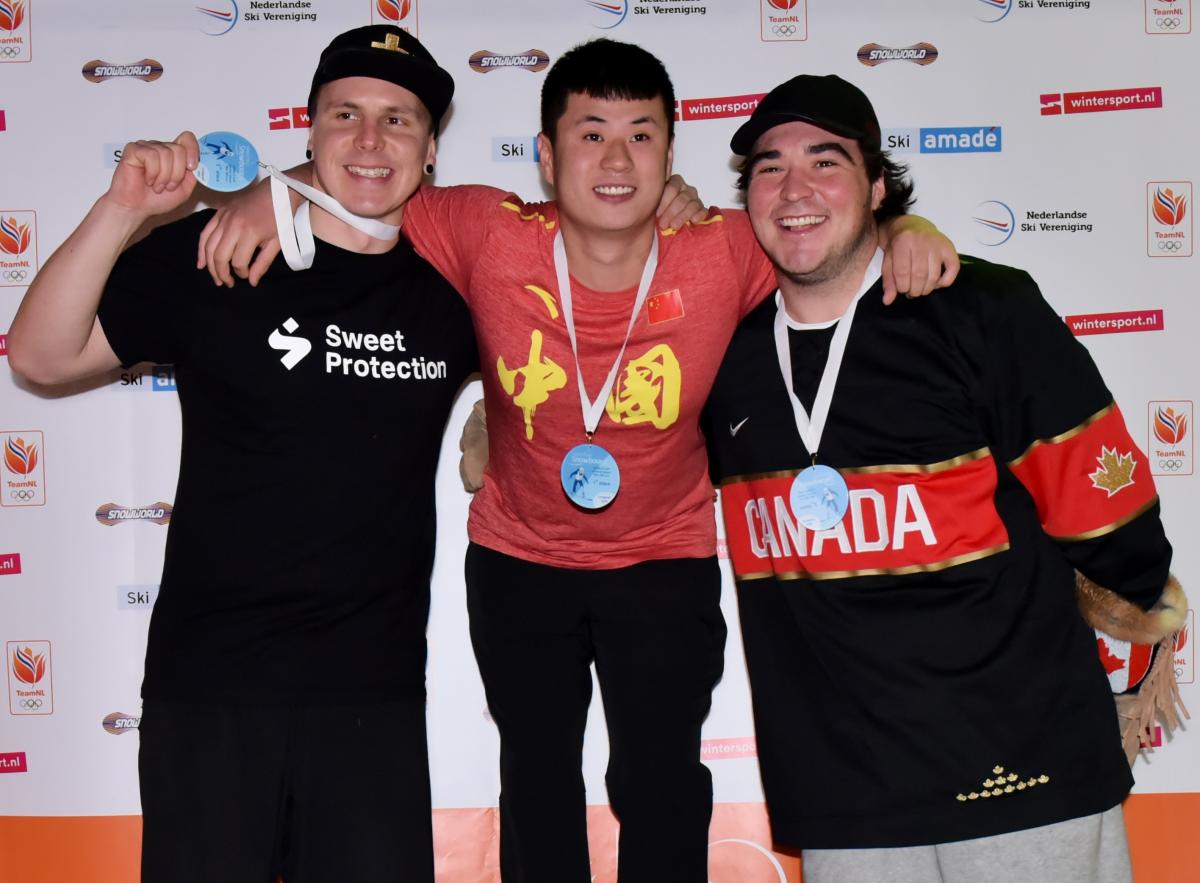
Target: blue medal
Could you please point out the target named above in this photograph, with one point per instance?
(228, 162)
(819, 497)
(590, 476)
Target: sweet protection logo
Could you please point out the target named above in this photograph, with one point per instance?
(294, 348)
(30, 682)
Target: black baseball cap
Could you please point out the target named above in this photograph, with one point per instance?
(828, 102)
(385, 52)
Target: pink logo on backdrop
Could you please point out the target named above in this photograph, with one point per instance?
(13, 762)
(728, 749)
(10, 564)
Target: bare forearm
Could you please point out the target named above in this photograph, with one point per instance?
(51, 338)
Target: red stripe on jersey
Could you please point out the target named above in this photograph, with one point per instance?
(1089, 480)
(901, 519)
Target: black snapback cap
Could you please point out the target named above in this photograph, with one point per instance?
(828, 102)
(385, 52)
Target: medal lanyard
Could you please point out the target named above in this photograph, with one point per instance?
(593, 408)
(811, 429)
(295, 234)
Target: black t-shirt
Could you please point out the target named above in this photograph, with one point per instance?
(301, 544)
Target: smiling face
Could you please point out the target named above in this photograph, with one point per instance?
(370, 142)
(810, 202)
(608, 163)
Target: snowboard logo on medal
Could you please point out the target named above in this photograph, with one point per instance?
(590, 477)
(228, 162)
(819, 497)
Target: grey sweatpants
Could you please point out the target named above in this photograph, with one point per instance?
(1092, 849)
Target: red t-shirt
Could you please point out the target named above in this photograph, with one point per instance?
(497, 251)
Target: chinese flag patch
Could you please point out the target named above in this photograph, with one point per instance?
(664, 307)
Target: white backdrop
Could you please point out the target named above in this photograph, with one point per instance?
(1064, 185)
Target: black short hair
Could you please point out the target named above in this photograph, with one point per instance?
(609, 70)
(897, 186)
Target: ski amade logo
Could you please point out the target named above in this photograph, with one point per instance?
(1168, 219)
(23, 470)
(30, 681)
(18, 248)
(607, 14)
(217, 17)
(782, 21)
(402, 13)
(14, 31)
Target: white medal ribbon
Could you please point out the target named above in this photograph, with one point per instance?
(295, 234)
(811, 429)
(593, 408)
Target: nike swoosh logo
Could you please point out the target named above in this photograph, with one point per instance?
(733, 430)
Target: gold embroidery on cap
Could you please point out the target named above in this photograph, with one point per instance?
(391, 43)
(1002, 783)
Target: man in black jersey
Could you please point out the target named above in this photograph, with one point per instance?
(283, 729)
(907, 494)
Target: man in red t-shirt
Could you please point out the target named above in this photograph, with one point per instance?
(633, 586)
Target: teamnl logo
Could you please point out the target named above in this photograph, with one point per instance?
(1171, 447)
(1168, 16)
(216, 17)
(30, 681)
(1185, 650)
(1168, 219)
(782, 21)
(14, 31)
(18, 247)
(24, 469)
(945, 139)
(401, 13)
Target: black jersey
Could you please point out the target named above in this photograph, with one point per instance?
(300, 549)
(920, 673)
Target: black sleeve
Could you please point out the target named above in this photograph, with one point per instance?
(1054, 423)
(144, 307)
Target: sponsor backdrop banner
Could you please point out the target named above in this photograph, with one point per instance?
(1075, 165)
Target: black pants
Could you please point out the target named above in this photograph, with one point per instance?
(234, 794)
(656, 634)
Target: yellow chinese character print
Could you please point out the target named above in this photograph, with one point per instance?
(648, 391)
(540, 377)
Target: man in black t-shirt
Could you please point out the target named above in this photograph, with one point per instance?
(283, 729)
(907, 493)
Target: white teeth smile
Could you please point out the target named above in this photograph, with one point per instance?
(802, 221)
(613, 190)
(364, 172)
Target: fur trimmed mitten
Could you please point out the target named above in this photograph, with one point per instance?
(1157, 697)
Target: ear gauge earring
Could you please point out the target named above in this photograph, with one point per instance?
(428, 168)
(308, 154)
